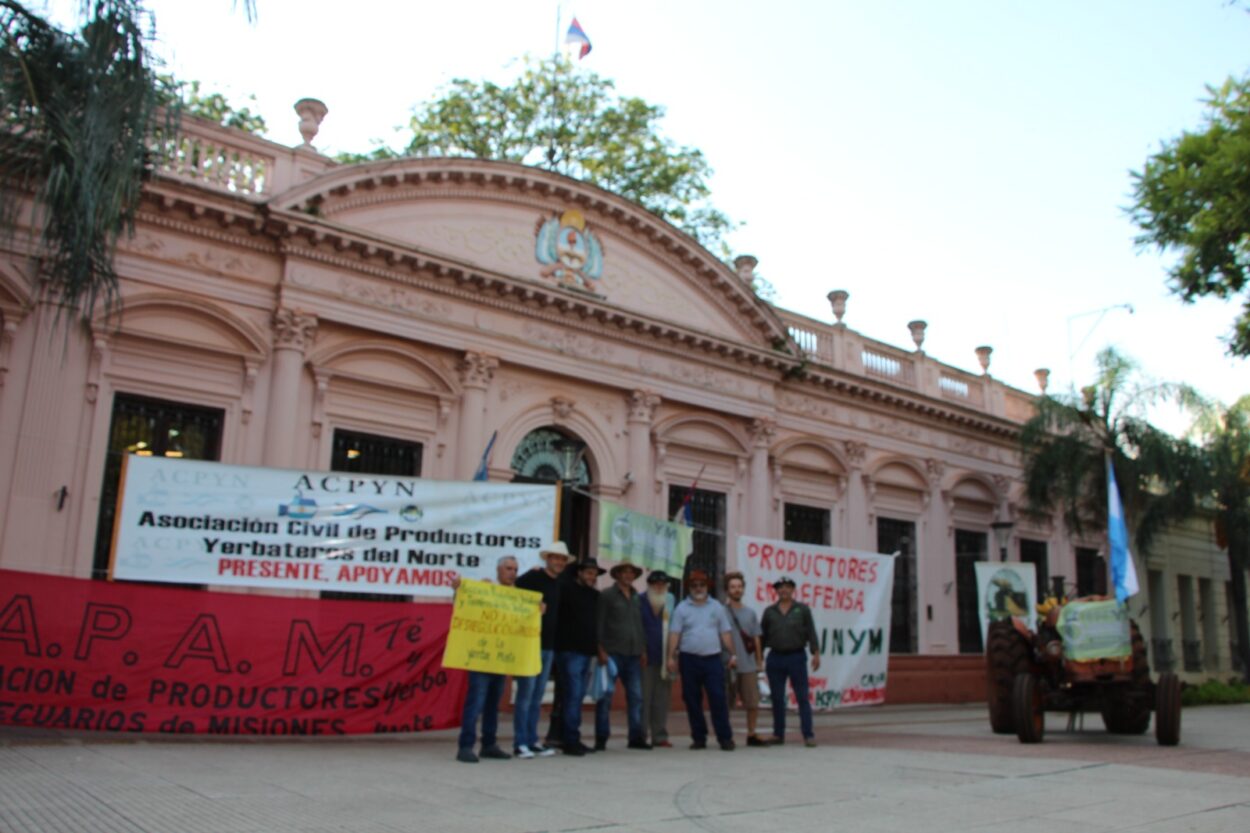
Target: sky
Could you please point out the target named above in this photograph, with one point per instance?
(964, 162)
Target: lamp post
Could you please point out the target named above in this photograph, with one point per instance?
(1002, 537)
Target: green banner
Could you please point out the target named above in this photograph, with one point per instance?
(651, 543)
(1095, 630)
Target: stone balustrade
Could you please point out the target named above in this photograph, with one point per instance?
(838, 347)
(237, 162)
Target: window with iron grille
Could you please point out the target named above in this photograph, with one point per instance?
(899, 536)
(1091, 573)
(360, 453)
(1034, 552)
(970, 547)
(707, 515)
(149, 428)
(807, 524)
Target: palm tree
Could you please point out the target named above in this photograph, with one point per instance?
(1066, 443)
(1222, 435)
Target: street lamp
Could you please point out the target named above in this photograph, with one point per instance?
(570, 452)
(1002, 537)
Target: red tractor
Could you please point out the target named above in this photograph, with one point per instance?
(1085, 656)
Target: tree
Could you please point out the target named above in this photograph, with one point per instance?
(214, 106)
(1222, 435)
(79, 110)
(1193, 196)
(573, 122)
(1066, 443)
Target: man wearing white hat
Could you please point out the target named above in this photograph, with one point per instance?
(529, 690)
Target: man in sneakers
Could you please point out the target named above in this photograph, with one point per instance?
(621, 638)
(577, 644)
(699, 631)
(744, 683)
(482, 699)
(529, 690)
(788, 632)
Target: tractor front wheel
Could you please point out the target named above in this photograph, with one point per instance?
(1168, 710)
(1027, 708)
(1006, 655)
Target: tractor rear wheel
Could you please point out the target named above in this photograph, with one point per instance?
(1126, 711)
(1168, 710)
(1006, 655)
(1027, 708)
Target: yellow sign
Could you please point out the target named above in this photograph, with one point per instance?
(494, 629)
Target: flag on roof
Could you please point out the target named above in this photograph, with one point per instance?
(1123, 572)
(577, 38)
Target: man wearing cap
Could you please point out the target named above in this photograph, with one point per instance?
(656, 606)
(788, 631)
(529, 690)
(622, 640)
(699, 632)
(577, 643)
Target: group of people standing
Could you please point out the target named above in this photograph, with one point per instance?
(643, 640)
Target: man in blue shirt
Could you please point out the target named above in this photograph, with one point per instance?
(699, 632)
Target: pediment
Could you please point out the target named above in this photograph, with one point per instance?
(536, 226)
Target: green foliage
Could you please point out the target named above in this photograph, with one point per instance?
(1066, 443)
(78, 109)
(1193, 196)
(1215, 693)
(215, 107)
(573, 122)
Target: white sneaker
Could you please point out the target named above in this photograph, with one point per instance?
(543, 751)
(524, 752)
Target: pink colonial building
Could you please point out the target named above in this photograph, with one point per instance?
(282, 310)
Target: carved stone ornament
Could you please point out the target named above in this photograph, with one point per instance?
(763, 430)
(856, 452)
(561, 408)
(642, 405)
(936, 469)
(293, 330)
(477, 369)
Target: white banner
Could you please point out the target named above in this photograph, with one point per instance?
(196, 522)
(849, 595)
(1005, 589)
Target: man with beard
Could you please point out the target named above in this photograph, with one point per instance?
(788, 629)
(657, 684)
(621, 639)
(577, 644)
(529, 690)
(699, 631)
(744, 683)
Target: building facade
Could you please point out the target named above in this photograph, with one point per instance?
(279, 309)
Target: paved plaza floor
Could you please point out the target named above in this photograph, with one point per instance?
(914, 769)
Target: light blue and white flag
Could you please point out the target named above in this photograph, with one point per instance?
(1123, 572)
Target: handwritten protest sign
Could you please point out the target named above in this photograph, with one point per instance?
(849, 596)
(494, 629)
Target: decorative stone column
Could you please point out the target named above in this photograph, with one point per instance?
(763, 430)
(477, 370)
(293, 334)
(935, 574)
(857, 536)
(641, 405)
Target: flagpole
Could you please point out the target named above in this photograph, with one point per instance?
(555, 100)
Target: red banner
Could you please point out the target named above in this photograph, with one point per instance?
(78, 654)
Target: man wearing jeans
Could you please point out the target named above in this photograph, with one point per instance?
(529, 690)
(482, 699)
(622, 639)
(788, 629)
(699, 631)
(577, 644)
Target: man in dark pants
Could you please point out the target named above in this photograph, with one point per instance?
(482, 699)
(621, 637)
(529, 690)
(699, 631)
(788, 629)
(577, 645)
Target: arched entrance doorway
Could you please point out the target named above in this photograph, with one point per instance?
(552, 455)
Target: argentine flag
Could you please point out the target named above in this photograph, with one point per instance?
(1123, 572)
